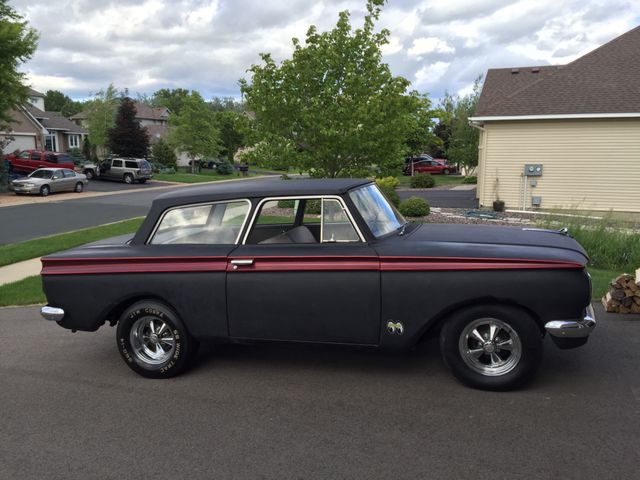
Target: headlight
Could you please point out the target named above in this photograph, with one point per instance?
(28, 185)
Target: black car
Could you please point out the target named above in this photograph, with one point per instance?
(324, 261)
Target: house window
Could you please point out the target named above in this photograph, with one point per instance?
(74, 141)
(50, 142)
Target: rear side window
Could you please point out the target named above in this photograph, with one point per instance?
(117, 163)
(130, 164)
(35, 155)
(68, 173)
(51, 158)
(63, 159)
(210, 224)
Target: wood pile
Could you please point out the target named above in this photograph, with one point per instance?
(624, 294)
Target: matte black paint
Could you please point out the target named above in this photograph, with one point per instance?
(329, 306)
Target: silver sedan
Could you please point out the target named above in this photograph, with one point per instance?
(47, 180)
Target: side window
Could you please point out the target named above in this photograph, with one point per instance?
(212, 224)
(117, 163)
(130, 164)
(68, 173)
(336, 226)
(35, 155)
(24, 155)
(58, 174)
(51, 158)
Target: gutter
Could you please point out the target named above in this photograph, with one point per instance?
(554, 116)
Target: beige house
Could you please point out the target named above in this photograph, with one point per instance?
(563, 136)
(33, 128)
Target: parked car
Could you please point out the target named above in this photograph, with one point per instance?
(427, 164)
(28, 161)
(128, 170)
(48, 180)
(355, 274)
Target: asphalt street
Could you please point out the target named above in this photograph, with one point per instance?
(72, 410)
(444, 198)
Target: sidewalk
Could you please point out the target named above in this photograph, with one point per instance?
(19, 271)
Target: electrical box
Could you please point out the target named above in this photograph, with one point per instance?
(536, 201)
(533, 170)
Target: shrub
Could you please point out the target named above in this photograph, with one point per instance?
(422, 180)
(415, 207)
(387, 182)
(224, 168)
(473, 180)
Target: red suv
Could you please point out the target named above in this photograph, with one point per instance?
(28, 161)
(427, 164)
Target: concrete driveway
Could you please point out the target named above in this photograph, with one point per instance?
(73, 410)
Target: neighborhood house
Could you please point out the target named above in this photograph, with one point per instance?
(564, 136)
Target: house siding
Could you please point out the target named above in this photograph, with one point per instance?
(587, 164)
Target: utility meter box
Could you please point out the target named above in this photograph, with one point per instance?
(533, 170)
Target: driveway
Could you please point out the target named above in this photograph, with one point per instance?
(73, 410)
(444, 198)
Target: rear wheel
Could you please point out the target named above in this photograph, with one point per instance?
(153, 341)
(128, 178)
(45, 190)
(492, 347)
(142, 180)
(446, 171)
(79, 187)
(89, 174)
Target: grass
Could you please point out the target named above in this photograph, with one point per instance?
(17, 252)
(25, 292)
(440, 180)
(205, 175)
(600, 280)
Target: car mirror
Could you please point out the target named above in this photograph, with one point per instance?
(54, 177)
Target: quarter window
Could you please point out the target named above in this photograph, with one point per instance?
(211, 224)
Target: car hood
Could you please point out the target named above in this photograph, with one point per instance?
(485, 241)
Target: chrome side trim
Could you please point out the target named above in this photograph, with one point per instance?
(573, 328)
(54, 314)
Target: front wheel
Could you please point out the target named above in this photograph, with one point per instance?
(446, 171)
(492, 347)
(153, 341)
(45, 190)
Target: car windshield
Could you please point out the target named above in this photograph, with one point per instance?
(41, 174)
(381, 217)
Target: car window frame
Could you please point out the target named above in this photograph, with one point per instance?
(200, 204)
(354, 224)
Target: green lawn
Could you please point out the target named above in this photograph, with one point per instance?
(600, 280)
(24, 292)
(16, 252)
(205, 175)
(440, 180)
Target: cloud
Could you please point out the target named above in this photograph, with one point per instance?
(208, 45)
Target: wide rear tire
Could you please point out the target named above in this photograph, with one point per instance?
(153, 341)
(492, 347)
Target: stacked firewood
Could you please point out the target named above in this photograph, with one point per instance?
(624, 294)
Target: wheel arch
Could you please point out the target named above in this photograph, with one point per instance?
(434, 325)
(115, 312)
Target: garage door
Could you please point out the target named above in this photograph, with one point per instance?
(21, 142)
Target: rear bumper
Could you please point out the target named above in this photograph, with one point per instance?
(572, 333)
(54, 314)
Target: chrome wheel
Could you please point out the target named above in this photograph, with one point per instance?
(152, 340)
(490, 347)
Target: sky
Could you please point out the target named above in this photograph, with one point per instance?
(207, 45)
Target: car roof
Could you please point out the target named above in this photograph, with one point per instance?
(272, 187)
(51, 169)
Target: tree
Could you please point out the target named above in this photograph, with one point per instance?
(233, 127)
(194, 130)
(162, 152)
(18, 42)
(226, 104)
(56, 101)
(128, 138)
(334, 108)
(100, 116)
(463, 141)
(173, 99)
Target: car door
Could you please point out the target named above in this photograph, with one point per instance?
(304, 276)
(69, 178)
(117, 169)
(57, 181)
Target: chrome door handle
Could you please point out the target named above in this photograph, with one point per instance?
(242, 262)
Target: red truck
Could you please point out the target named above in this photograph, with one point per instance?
(29, 160)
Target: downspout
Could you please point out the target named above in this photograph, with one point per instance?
(472, 124)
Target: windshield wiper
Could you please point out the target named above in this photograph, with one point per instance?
(404, 225)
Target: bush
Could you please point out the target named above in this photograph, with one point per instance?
(473, 180)
(225, 168)
(422, 180)
(415, 207)
(387, 182)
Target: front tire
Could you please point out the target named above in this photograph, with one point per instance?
(45, 190)
(446, 171)
(492, 347)
(153, 341)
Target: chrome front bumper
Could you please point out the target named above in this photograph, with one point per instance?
(55, 314)
(573, 328)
